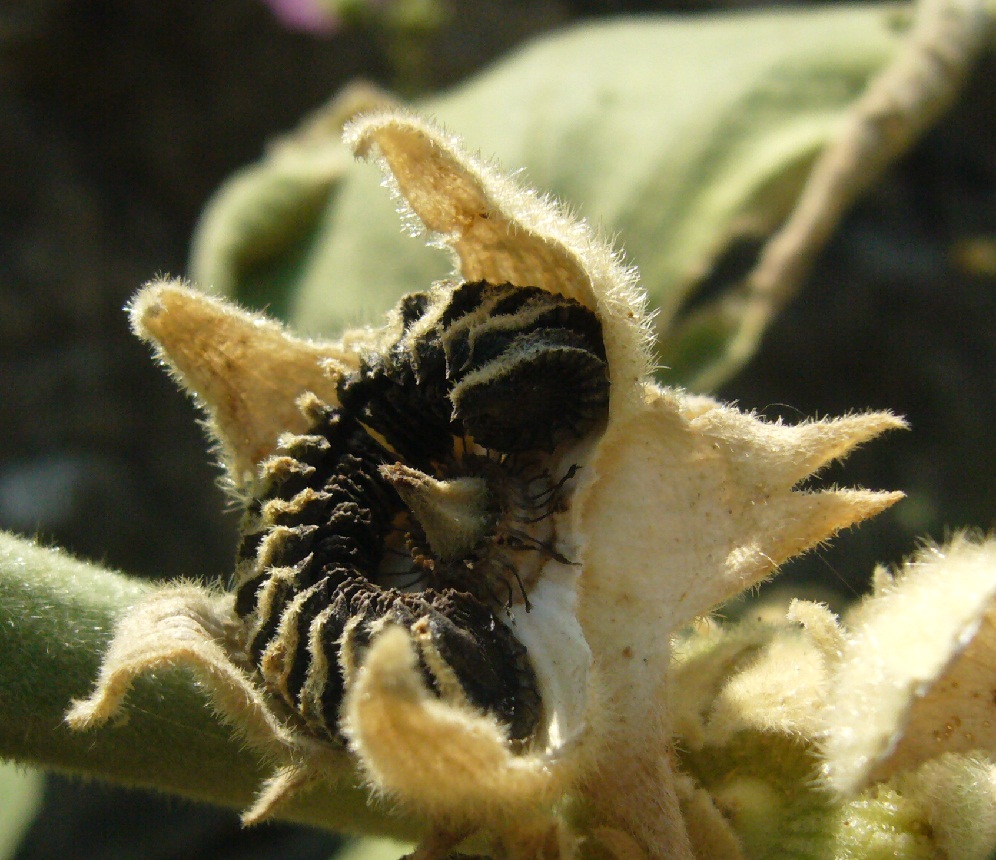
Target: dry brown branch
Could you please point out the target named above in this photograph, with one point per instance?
(897, 107)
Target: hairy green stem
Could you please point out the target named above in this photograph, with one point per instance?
(57, 616)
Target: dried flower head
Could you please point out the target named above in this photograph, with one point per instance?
(470, 535)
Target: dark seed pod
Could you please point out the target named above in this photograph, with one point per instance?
(401, 393)
(304, 582)
(526, 367)
(558, 388)
(384, 514)
(516, 368)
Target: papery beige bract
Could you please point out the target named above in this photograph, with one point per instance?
(679, 503)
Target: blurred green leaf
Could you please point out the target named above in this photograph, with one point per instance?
(682, 136)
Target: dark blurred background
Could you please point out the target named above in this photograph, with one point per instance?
(119, 119)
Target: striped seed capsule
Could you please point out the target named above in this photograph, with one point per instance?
(424, 499)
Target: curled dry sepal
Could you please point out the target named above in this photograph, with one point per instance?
(470, 536)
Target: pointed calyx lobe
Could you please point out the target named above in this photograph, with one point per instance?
(245, 370)
(716, 488)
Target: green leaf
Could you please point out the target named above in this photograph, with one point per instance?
(683, 136)
(57, 615)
